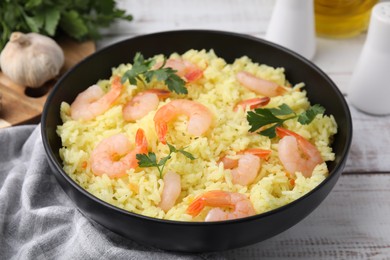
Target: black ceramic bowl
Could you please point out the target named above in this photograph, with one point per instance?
(187, 236)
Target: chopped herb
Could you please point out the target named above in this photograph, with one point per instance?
(274, 117)
(142, 71)
(172, 149)
(150, 159)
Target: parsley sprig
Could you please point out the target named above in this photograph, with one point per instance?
(150, 159)
(270, 118)
(142, 71)
(77, 19)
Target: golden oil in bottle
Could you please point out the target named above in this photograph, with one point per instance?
(342, 18)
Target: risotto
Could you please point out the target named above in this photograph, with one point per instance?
(210, 158)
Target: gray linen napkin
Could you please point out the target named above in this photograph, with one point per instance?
(39, 221)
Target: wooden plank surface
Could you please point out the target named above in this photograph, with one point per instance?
(249, 16)
(370, 143)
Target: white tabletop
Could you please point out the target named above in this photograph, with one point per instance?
(353, 222)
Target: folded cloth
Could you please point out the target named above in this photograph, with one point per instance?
(39, 221)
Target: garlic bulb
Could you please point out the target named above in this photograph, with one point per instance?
(31, 59)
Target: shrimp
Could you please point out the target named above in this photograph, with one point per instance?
(246, 168)
(143, 103)
(229, 163)
(259, 85)
(171, 191)
(200, 117)
(185, 69)
(252, 103)
(240, 204)
(113, 155)
(93, 101)
(296, 153)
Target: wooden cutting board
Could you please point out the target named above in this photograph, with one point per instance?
(20, 105)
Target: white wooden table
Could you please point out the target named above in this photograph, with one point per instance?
(354, 221)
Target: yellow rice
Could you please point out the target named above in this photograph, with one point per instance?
(140, 190)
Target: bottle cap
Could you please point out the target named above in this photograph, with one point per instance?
(379, 29)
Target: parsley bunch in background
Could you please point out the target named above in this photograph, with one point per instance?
(79, 19)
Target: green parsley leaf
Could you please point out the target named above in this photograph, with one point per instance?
(141, 71)
(159, 74)
(269, 118)
(187, 154)
(164, 160)
(308, 116)
(147, 160)
(32, 23)
(52, 17)
(262, 117)
(150, 160)
(33, 3)
(172, 149)
(282, 110)
(73, 24)
(104, 6)
(176, 84)
(270, 132)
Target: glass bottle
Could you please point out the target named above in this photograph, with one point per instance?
(342, 18)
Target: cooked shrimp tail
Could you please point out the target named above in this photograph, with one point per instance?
(161, 130)
(252, 103)
(261, 153)
(113, 156)
(296, 153)
(229, 163)
(246, 168)
(259, 85)
(199, 121)
(93, 101)
(282, 132)
(141, 143)
(246, 171)
(308, 148)
(143, 103)
(211, 198)
(240, 206)
(185, 69)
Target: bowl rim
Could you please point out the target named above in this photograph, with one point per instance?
(121, 211)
